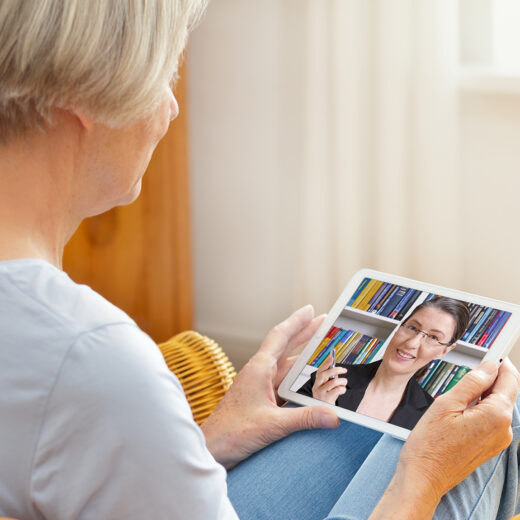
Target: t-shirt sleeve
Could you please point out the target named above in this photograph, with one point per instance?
(118, 439)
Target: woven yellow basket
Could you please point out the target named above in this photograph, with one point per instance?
(203, 369)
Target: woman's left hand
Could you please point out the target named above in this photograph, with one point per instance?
(249, 416)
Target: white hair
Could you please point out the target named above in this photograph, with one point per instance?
(109, 57)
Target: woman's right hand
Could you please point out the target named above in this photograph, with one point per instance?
(456, 434)
(327, 385)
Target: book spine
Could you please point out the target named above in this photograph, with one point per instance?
(461, 372)
(385, 297)
(425, 375)
(431, 373)
(349, 345)
(355, 350)
(442, 377)
(369, 349)
(365, 303)
(478, 324)
(396, 298)
(408, 306)
(379, 295)
(407, 295)
(496, 315)
(497, 330)
(352, 344)
(340, 347)
(363, 351)
(375, 350)
(323, 343)
(476, 317)
(357, 292)
(438, 376)
(447, 381)
(362, 295)
(329, 347)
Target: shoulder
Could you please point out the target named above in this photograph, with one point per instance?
(115, 398)
(360, 374)
(421, 395)
(38, 288)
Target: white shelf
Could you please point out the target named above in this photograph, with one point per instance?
(364, 315)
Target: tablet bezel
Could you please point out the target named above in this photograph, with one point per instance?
(498, 351)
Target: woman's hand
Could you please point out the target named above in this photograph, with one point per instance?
(248, 418)
(327, 385)
(451, 440)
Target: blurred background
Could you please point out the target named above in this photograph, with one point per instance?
(319, 137)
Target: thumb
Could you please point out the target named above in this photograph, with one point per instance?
(473, 384)
(307, 418)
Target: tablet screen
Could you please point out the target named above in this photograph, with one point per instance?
(395, 347)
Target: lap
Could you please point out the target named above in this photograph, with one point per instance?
(341, 474)
(301, 476)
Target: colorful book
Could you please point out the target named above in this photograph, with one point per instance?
(396, 298)
(447, 381)
(461, 372)
(362, 295)
(379, 296)
(475, 328)
(323, 343)
(496, 315)
(361, 286)
(407, 295)
(387, 299)
(498, 329)
(404, 311)
(365, 303)
(355, 351)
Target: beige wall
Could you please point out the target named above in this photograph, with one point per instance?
(245, 177)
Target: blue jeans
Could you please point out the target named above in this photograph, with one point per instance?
(341, 474)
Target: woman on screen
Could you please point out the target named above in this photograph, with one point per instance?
(387, 389)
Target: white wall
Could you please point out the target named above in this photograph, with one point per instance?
(244, 96)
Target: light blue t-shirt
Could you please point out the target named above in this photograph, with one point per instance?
(93, 425)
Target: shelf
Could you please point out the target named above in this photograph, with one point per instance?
(369, 316)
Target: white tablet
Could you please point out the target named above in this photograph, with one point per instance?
(390, 345)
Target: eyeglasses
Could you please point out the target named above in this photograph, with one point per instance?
(430, 340)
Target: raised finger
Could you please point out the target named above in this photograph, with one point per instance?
(323, 376)
(506, 383)
(306, 334)
(327, 363)
(278, 341)
(333, 383)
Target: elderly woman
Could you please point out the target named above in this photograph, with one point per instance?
(92, 423)
(387, 389)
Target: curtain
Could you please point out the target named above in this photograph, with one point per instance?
(374, 100)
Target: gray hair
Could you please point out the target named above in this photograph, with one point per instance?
(109, 57)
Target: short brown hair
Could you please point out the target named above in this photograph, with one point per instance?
(459, 310)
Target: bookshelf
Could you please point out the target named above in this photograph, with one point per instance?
(377, 308)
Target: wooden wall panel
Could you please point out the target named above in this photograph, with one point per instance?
(139, 256)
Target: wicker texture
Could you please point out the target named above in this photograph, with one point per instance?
(203, 369)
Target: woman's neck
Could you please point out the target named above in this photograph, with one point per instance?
(35, 197)
(389, 383)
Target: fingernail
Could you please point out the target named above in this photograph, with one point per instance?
(328, 420)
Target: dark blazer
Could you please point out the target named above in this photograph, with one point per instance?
(414, 403)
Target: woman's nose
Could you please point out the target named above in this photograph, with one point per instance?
(415, 341)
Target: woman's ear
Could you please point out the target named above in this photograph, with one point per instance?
(82, 117)
(446, 349)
